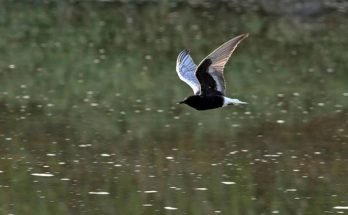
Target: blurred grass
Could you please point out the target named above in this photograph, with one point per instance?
(104, 74)
(67, 57)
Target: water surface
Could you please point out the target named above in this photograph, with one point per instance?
(89, 122)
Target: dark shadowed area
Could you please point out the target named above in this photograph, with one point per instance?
(89, 122)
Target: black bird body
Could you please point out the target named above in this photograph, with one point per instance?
(209, 98)
(206, 79)
(200, 102)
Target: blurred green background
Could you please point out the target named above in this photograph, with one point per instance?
(89, 122)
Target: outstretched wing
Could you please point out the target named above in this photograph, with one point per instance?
(185, 67)
(219, 58)
(208, 84)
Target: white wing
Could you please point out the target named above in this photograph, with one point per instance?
(219, 58)
(185, 67)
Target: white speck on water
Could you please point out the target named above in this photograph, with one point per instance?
(118, 165)
(147, 205)
(345, 94)
(105, 155)
(290, 190)
(1, 171)
(94, 104)
(50, 154)
(170, 208)
(12, 66)
(50, 105)
(85, 145)
(160, 111)
(65, 179)
(275, 212)
(8, 138)
(284, 111)
(320, 104)
(42, 174)
(26, 97)
(150, 191)
(330, 70)
(169, 158)
(148, 57)
(201, 188)
(175, 188)
(296, 94)
(228, 182)
(341, 207)
(99, 193)
(280, 121)
(295, 170)
(271, 155)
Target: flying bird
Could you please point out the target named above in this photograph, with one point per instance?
(207, 79)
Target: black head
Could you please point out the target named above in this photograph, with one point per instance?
(187, 100)
(203, 102)
(192, 101)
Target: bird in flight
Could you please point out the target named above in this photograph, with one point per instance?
(207, 79)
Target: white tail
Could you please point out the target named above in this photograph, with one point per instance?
(230, 101)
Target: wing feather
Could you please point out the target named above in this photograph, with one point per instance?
(219, 58)
(185, 67)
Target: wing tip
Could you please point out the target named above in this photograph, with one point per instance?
(184, 52)
(182, 55)
(245, 34)
(242, 36)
